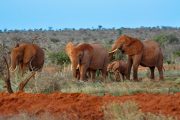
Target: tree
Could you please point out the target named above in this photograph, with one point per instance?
(50, 28)
(99, 27)
(119, 31)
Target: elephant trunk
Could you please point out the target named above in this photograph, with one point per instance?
(74, 68)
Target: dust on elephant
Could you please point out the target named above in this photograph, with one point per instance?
(27, 55)
(87, 56)
(118, 68)
(146, 53)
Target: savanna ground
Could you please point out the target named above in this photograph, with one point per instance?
(55, 94)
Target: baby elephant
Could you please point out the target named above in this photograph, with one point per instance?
(119, 68)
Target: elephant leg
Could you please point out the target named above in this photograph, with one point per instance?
(118, 76)
(83, 70)
(93, 74)
(136, 62)
(123, 77)
(152, 72)
(135, 70)
(104, 72)
(160, 69)
(129, 68)
(87, 75)
(77, 74)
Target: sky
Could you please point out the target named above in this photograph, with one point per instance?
(59, 14)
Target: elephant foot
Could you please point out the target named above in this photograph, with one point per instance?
(81, 81)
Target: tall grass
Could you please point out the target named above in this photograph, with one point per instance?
(62, 80)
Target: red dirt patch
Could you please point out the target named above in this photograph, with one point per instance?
(83, 106)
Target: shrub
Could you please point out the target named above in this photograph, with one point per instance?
(163, 39)
(59, 58)
(54, 40)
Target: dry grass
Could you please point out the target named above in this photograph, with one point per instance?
(61, 79)
(129, 111)
(43, 116)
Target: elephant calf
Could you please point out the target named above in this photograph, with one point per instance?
(119, 68)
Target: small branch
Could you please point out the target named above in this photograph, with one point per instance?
(23, 83)
(7, 79)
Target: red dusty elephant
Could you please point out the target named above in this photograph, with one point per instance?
(146, 53)
(87, 57)
(118, 68)
(27, 55)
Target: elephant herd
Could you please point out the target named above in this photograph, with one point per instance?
(87, 58)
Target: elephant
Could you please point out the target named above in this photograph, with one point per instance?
(146, 53)
(119, 68)
(85, 57)
(89, 74)
(27, 55)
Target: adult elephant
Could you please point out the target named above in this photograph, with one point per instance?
(27, 55)
(146, 53)
(87, 57)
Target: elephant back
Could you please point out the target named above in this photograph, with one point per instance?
(152, 53)
(100, 56)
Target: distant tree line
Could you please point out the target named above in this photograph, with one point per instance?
(99, 27)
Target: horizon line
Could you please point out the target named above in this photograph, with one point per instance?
(100, 27)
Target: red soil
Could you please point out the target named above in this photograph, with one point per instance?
(83, 106)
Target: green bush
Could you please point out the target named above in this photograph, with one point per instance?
(163, 39)
(59, 58)
(177, 53)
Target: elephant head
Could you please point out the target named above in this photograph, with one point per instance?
(112, 67)
(127, 45)
(21, 54)
(79, 55)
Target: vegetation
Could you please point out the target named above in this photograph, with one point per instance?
(62, 80)
(164, 39)
(59, 58)
(129, 111)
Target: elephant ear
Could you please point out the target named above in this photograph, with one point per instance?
(132, 46)
(69, 48)
(85, 53)
(29, 53)
(17, 45)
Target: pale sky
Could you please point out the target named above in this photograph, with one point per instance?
(26, 14)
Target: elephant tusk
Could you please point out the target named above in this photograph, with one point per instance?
(113, 51)
(78, 66)
(12, 69)
(30, 64)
